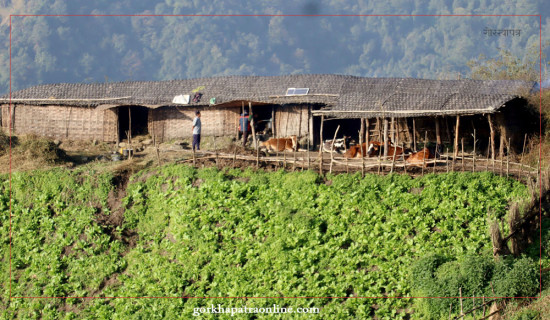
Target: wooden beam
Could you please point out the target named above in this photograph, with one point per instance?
(396, 133)
(437, 132)
(129, 132)
(408, 132)
(492, 142)
(392, 130)
(503, 134)
(367, 126)
(385, 138)
(448, 131)
(379, 128)
(361, 135)
(414, 135)
(252, 126)
(321, 146)
(457, 130)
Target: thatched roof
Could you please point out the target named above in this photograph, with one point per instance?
(343, 96)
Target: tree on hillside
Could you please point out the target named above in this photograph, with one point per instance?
(507, 66)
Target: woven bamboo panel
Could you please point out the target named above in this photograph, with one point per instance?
(176, 122)
(291, 120)
(66, 122)
(5, 117)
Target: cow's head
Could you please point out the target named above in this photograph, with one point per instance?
(294, 140)
(374, 148)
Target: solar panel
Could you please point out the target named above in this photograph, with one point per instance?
(297, 91)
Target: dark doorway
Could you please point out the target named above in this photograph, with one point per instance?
(348, 127)
(139, 116)
(262, 119)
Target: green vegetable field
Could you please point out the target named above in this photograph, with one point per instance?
(190, 232)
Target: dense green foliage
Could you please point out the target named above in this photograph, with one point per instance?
(475, 276)
(84, 49)
(210, 233)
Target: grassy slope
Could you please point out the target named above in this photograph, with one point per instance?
(205, 233)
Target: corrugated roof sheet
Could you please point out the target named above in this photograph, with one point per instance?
(344, 96)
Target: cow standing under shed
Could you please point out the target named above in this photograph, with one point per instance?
(281, 144)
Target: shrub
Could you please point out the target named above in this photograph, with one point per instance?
(474, 275)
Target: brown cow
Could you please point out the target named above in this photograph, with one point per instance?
(375, 148)
(355, 152)
(281, 144)
(418, 158)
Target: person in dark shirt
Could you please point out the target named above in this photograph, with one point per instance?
(244, 127)
(197, 131)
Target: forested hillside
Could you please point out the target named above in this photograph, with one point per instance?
(98, 49)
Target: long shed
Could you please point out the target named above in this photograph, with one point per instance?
(105, 111)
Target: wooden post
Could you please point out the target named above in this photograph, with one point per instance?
(434, 164)
(508, 158)
(424, 157)
(277, 149)
(396, 141)
(118, 129)
(130, 133)
(379, 128)
(385, 138)
(403, 158)
(294, 160)
(347, 159)
(522, 152)
(332, 149)
(379, 161)
(488, 153)
(474, 154)
(154, 136)
(194, 157)
(361, 132)
(437, 136)
(503, 134)
(367, 126)
(237, 127)
(215, 150)
(447, 130)
(492, 141)
(392, 130)
(408, 132)
(462, 142)
(457, 130)
(273, 122)
(286, 133)
(234, 155)
(321, 146)
(308, 154)
(501, 159)
(239, 121)
(447, 159)
(393, 158)
(252, 125)
(414, 134)
(309, 134)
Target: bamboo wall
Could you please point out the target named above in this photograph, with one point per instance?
(291, 120)
(62, 122)
(176, 122)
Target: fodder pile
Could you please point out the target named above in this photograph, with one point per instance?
(29, 152)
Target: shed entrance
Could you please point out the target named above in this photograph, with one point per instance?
(138, 116)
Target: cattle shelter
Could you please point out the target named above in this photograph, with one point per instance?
(402, 110)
